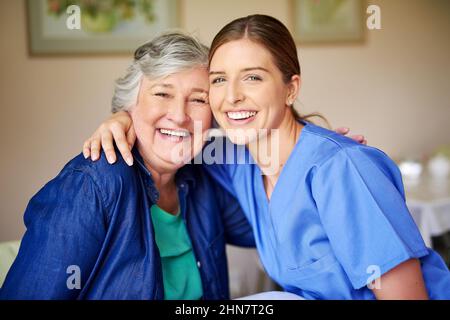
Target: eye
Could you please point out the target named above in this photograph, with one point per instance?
(199, 101)
(254, 78)
(218, 80)
(162, 94)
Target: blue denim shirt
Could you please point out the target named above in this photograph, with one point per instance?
(93, 220)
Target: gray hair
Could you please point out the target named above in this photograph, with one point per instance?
(167, 54)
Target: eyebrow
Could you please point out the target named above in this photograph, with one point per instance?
(243, 70)
(170, 86)
(165, 85)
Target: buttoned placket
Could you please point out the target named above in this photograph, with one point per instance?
(183, 190)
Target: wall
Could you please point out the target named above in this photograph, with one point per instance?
(394, 88)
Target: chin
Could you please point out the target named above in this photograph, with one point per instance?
(168, 165)
(177, 160)
(241, 139)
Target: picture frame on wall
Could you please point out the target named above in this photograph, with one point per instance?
(106, 26)
(328, 21)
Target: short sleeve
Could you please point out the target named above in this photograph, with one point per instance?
(360, 199)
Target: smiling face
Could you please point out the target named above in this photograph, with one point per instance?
(165, 114)
(247, 90)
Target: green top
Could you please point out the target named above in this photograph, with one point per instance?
(181, 276)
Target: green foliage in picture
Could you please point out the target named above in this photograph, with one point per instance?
(104, 15)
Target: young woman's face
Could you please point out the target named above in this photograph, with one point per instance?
(165, 114)
(247, 90)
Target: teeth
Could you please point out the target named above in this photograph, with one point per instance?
(241, 115)
(175, 133)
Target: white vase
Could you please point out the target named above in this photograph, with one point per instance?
(410, 169)
(439, 167)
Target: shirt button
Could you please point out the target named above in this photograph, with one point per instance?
(199, 264)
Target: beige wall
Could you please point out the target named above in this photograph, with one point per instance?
(394, 89)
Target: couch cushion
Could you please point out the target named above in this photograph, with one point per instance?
(8, 252)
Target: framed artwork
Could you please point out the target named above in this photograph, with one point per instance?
(328, 21)
(104, 26)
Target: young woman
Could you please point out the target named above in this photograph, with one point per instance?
(332, 217)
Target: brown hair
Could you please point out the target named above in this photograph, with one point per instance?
(274, 36)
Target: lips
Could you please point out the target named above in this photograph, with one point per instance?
(175, 135)
(241, 117)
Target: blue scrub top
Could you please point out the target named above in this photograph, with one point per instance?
(337, 218)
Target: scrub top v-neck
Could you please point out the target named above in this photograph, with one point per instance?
(336, 219)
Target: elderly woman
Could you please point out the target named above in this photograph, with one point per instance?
(156, 230)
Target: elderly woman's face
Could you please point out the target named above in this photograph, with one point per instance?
(171, 117)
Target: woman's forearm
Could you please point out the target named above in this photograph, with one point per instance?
(404, 282)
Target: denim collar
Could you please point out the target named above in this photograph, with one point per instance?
(185, 175)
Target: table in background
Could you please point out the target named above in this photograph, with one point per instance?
(429, 203)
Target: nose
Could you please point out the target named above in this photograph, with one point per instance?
(177, 112)
(234, 93)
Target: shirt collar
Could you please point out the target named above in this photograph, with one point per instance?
(184, 175)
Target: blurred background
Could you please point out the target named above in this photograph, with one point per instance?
(392, 85)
